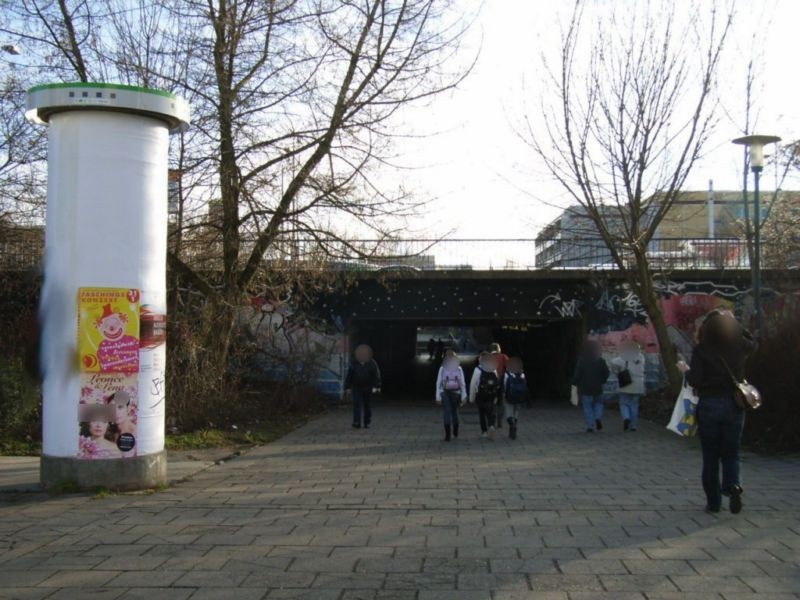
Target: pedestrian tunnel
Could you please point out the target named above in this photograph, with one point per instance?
(409, 362)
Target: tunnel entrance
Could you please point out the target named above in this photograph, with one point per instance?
(548, 350)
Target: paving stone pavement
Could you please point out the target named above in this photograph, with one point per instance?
(393, 512)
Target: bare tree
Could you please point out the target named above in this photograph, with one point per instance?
(21, 175)
(633, 107)
(294, 104)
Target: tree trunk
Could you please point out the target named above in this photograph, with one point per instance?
(648, 296)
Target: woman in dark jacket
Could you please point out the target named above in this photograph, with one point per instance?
(718, 361)
(590, 376)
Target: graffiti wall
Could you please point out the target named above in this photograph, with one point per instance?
(615, 316)
(290, 344)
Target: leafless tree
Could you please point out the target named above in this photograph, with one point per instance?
(294, 104)
(632, 105)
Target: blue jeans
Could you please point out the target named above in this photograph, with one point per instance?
(629, 408)
(592, 409)
(450, 404)
(362, 398)
(719, 424)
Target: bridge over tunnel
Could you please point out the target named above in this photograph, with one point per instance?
(541, 316)
(536, 318)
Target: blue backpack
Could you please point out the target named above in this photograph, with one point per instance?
(516, 389)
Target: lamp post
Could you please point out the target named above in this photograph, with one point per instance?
(756, 143)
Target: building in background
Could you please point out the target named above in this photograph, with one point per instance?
(573, 241)
(702, 229)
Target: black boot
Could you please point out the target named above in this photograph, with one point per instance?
(455, 430)
(626, 424)
(447, 433)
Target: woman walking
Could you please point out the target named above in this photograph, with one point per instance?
(591, 373)
(629, 368)
(717, 362)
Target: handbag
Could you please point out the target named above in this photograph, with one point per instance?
(684, 415)
(745, 394)
(624, 377)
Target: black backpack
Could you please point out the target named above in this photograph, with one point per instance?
(488, 386)
(516, 389)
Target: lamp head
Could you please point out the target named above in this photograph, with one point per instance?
(756, 145)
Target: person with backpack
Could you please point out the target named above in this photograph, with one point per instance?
(515, 394)
(363, 379)
(591, 374)
(501, 363)
(451, 392)
(484, 390)
(629, 369)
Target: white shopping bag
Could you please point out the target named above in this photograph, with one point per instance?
(573, 395)
(684, 415)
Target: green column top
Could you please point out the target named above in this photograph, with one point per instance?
(48, 99)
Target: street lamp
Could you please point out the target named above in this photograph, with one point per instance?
(756, 143)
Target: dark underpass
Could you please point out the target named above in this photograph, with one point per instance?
(547, 348)
(536, 318)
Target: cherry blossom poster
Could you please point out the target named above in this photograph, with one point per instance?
(107, 416)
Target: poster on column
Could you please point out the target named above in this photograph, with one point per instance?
(108, 415)
(108, 330)
(152, 378)
(108, 353)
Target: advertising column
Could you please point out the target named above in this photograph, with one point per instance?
(103, 301)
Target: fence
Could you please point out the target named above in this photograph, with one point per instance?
(21, 249)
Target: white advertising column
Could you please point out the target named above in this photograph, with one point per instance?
(103, 301)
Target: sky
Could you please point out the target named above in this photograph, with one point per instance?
(485, 182)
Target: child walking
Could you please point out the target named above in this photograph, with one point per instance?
(500, 366)
(363, 379)
(484, 390)
(451, 392)
(515, 394)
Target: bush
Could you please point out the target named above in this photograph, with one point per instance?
(20, 393)
(775, 370)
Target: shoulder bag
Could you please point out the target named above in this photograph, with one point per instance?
(745, 394)
(624, 377)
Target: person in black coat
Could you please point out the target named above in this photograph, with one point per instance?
(363, 379)
(591, 374)
(717, 363)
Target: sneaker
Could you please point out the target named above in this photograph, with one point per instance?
(735, 504)
(356, 425)
(626, 424)
(491, 433)
(599, 424)
(589, 430)
(712, 509)
(484, 434)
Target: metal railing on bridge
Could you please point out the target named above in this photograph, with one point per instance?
(21, 249)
